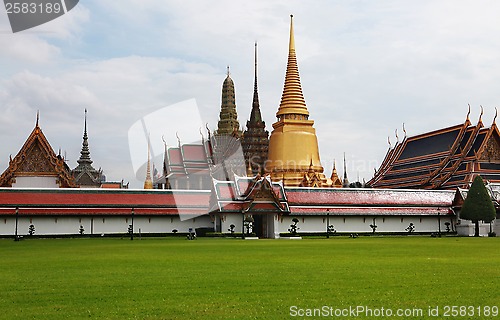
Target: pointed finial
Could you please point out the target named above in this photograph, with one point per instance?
(228, 70)
(468, 112)
(201, 134)
(496, 114)
(481, 115)
(397, 138)
(148, 183)
(164, 142)
(311, 163)
(404, 130)
(249, 170)
(178, 139)
(292, 39)
(345, 167)
(255, 63)
(208, 130)
(389, 141)
(37, 117)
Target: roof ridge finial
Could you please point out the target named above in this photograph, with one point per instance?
(37, 117)
(495, 118)
(255, 56)
(85, 124)
(468, 112)
(148, 183)
(178, 139)
(397, 138)
(404, 130)
(481, 115)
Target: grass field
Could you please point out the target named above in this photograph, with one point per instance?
(173, 278)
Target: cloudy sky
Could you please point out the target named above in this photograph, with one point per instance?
(366, 68)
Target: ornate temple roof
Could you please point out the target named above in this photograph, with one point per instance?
(443, 159)
(37, 158)
(249, 195)
(256, 138)
(85, 174)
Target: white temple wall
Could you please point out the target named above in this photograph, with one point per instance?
(61, 225)
(360, 224)
(229, 219)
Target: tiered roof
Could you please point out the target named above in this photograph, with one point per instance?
(85, 174)
(443, 159)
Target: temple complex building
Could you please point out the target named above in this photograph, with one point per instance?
(293, 145)
(447, 158)
(256, 138)
(232, 182)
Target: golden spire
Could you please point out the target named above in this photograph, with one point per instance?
(292, 100)
(293, 145)
(148, 184)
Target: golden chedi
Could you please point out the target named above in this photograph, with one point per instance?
(293, 145)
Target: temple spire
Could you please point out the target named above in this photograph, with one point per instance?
(148, 183)
(255, 142)
(255, 115)
(85, 174)
(345, 183)
(85, 152)
(292, 99)
(228, 118)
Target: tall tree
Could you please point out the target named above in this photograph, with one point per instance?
(478, 205)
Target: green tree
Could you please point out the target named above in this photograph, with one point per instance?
(478, 205)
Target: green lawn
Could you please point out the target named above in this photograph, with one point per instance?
(173, 278)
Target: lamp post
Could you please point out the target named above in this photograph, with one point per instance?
(243, 226)
(439, 223)
(132, 233)
(327, 223)
(17, 218)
